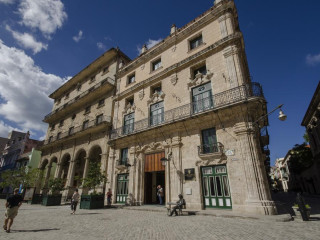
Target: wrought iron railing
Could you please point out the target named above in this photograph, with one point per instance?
(103, 82)
(225, 98)
(79, 128)
(210, 148)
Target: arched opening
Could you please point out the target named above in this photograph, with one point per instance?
(95, 154)
(53, 164)
(65, 163)
(80, 162)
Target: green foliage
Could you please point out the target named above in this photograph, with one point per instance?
(26, 176)
(301, 158)
(56, 185)
(94, 176)
(306, 138)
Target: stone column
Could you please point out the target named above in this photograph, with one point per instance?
(46, 179)
(57, 174)
(176, 168)
(85, 173)
(231, 55)
(258, 198)
(132, 177)
(111, 174)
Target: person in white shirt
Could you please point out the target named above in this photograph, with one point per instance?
(74, 201)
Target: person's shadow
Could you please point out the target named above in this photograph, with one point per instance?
(37, 230)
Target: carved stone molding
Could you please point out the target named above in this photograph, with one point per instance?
(174, 79)
(243, 128)
(229, 51)
(156, 97)
(200, 79)
(141, 94)
(129, 108)
(212, 159)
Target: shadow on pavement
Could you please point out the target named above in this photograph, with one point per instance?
(36, 230)
(87, 213)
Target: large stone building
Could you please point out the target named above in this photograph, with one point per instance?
(310, 178)
(79, 123)
(185, 116)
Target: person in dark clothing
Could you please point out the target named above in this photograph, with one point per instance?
(12, 205)
(180, 203)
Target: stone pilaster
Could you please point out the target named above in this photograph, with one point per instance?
(231, 55)
(258, 198)
(47, 176)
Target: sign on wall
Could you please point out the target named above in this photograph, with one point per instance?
(189, 174)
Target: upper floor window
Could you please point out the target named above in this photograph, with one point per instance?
(79, 85)
(156, 89)
(156, 64)
(130, 101)
(124, 156)
(71, 130)
(20, 139)
(106, 69)
(196, 42)
(128, 125)
(58, 101)
(52, 127)
(202, 70)
(85, 125)
(99, 119)
(67, 95)
(50, 139)
(61, 123)
(91, 89)
(101, 102)
(58, 135)
(209, 141)
(73, 116)
(202, 98)
(13, 141)
(156, 114)
(87, 110)
(131, 78)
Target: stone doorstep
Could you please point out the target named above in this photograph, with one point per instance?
(214, 213)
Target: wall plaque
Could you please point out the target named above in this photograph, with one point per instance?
(189, 174)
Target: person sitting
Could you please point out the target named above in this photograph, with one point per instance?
(180, 203)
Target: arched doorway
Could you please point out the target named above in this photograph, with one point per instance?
(64, 167)
(80, 162)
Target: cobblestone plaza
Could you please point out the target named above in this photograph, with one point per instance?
(38, 222)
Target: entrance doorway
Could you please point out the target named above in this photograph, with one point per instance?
(215, 185)
(154, 176)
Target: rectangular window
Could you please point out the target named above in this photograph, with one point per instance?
(101, 103)
(209, 141)
(130, 101)
(202, 98)
(79, 87)
(58, 100)
(106, 69)
(131, 78)
(59, 135)
(156, 64)
(124, 156)
(71, 130)
(156, 114)
(85, 125)
(93, 78)
(73, 116)
(61, 123)
(156, 89)
(50, 139)
(52, 127)
(196, 42)
(202, 70)
(99, 119)
(67, 95)
(87, 110)
(128, 126)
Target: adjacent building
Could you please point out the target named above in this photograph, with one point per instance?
(310, 178)
(185, 117)
(80, 122)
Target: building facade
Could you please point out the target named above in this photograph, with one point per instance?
(185, 116)
(79, 123)
(310, 178)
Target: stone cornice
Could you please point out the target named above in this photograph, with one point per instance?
(179, 35)
(168, 71)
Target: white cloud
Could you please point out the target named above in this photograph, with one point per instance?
(25, 89)
(7, 1)
(45, 15)
(313, 59)
(27, 41)
(101, 46)
(78, 37)
(5, 129)
(150, 43)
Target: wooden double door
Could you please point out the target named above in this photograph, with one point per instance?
(154, 175)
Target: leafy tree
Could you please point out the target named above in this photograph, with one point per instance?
(301, 158)
(94, 176)
(14, 178)
(306, 138)
(56, 185)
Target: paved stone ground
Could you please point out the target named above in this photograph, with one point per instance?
(37, 222)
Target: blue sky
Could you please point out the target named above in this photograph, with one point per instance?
(43, 42)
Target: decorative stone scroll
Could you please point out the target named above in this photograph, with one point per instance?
(200, 79)
(129, 108)
(156, 97)
(174, 79)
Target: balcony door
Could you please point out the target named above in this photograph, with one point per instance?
(128, 126)
(202, 98)
(209, 141)
(156, 114)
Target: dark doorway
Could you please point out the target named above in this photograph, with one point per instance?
(152, 180)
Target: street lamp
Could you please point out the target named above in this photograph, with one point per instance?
(164, 160)
(282, 116)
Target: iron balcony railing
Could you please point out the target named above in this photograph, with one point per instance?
(225, 98)
(210, 148)
(84, 126)
(103, 82)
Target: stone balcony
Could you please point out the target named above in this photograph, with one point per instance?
(220, 100)
(99, 89)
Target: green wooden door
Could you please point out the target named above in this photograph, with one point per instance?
(122, 188)
(215, 185)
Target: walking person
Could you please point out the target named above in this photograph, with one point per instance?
(160, 194)
(109, 197)
(74, 201)
(12, 205)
